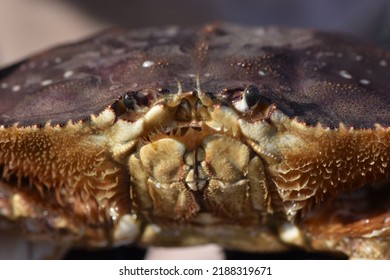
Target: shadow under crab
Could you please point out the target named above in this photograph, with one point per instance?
(254, 138)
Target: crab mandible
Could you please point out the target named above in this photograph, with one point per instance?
(253, 138)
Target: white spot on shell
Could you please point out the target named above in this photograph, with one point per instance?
(261, 73)
(383, 63)
(364, 81)
(358, 58)
(191, 75)
(68, 74)
(207, 74)
(32, 64)
(16, 88)
(46, 82)
(147, 63)
(57, 59)
(4, 85)
(345, 74)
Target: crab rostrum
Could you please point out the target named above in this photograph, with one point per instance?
(253, 138)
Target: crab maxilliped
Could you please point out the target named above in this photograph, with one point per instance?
(253, 138)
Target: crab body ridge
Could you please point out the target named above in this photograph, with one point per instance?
(253, 138)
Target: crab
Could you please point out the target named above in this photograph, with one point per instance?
(254, 138)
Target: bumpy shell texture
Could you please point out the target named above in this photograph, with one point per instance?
(317, 77)
(254, 138)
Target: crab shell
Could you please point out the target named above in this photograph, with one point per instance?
(253, 138)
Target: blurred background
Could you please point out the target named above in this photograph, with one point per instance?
(28, 26)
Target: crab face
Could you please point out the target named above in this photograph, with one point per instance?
(253, 138)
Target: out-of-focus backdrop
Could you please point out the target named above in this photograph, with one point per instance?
(28, 26)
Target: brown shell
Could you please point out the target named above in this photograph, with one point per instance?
(315, 76)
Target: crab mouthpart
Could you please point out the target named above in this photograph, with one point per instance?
(190, 163)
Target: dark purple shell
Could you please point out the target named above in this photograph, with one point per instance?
(315, 76)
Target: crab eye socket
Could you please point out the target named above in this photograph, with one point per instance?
(249, 100)
(134, 100)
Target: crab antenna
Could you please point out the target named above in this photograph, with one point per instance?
(202, 95)
(179, 88)
(177, 97)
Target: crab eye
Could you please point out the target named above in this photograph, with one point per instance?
(252, 96)
(129, 101)
(249, 100)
